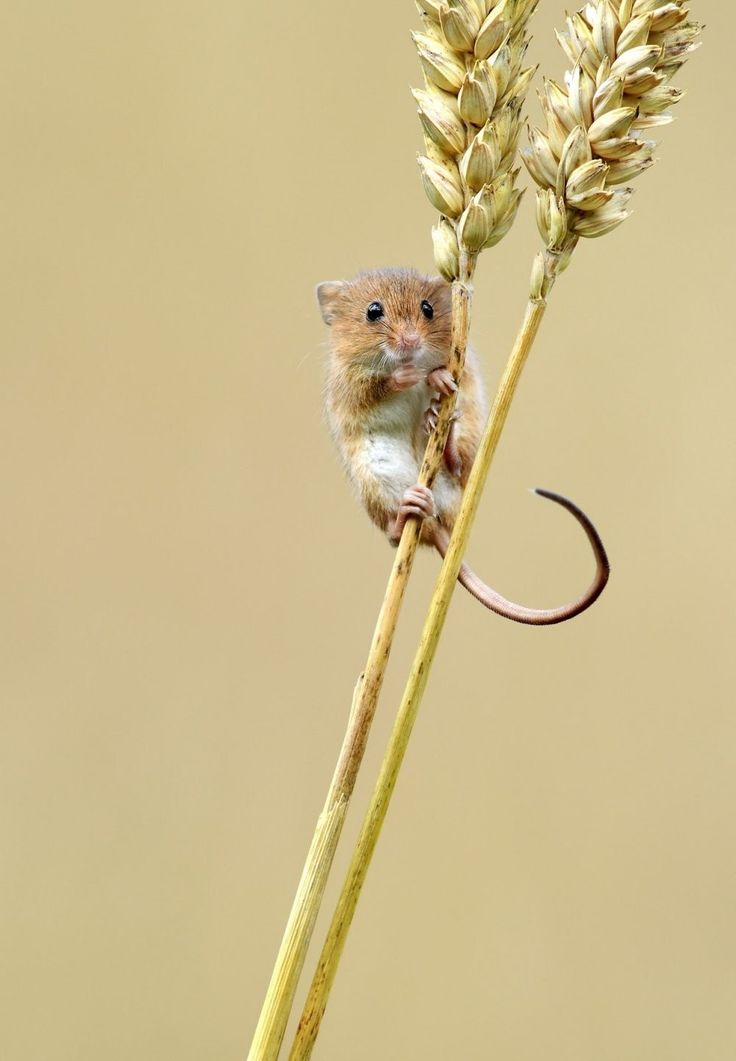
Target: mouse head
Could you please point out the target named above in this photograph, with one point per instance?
(388, 317)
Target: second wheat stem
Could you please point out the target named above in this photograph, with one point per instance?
(372, 823)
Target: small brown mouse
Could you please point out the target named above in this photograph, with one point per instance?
(389, 346)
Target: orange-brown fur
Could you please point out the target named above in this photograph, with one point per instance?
(360, 404)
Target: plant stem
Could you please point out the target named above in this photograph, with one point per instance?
(332, 950)
(279, 999)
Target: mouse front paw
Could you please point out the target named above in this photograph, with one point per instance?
(404, 377)
(442, 380)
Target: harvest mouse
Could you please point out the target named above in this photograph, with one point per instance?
(389, 346)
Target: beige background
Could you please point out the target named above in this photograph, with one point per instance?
(188, 588)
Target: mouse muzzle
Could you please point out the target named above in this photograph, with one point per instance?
(408, 342)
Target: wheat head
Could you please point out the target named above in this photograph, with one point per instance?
(472, 54)
(623, 55)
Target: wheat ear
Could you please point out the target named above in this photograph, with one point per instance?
(623, 56)
(598, 36)
(472, 56)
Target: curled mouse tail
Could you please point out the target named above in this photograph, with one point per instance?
(535, 616)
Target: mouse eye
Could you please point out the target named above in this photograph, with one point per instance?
(374, 311)
(427, 309)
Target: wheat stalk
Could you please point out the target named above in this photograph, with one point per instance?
(470, 110)
(623, 56)
(472, 56)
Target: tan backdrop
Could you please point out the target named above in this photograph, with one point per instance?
(188, 588)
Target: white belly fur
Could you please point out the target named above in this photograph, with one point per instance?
(392, 454)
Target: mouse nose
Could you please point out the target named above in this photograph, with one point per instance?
(409, 339)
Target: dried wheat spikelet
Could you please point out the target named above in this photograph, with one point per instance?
(623, 55)
(472, 55)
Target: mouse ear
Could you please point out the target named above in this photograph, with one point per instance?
(441, 290)
(440, 285)
(327, 295)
